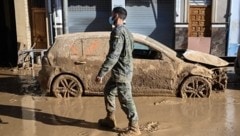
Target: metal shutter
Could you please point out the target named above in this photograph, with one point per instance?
(154, 18)
(88, 15)
(200, 2)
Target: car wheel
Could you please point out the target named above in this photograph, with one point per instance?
(196, 87)
(220, 80)
(65, 86)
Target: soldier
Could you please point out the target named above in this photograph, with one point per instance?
(119, 62)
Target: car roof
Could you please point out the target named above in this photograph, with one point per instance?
(84, 35)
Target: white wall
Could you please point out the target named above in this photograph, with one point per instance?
(22, 23)
(220, 11)
(234, 31)
(116, 3)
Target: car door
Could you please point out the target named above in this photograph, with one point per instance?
(153, 71)
(95, 50)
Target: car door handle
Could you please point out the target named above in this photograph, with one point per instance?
(80, 62)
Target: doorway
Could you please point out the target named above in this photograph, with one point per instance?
(8, 40)
(38, 24)
(199, 36)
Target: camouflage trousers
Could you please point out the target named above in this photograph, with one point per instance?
(124, 92)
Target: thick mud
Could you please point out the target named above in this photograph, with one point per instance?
(24, 111)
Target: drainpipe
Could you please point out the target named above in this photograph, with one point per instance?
(65, 16)
(50, 21)
(228, 25)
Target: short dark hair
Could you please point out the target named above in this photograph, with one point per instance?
(121, 11)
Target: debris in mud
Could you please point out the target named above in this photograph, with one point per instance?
(166, 101)
(150, 127)
(12, 100)
(2, 122)
(21, 82)
(30, 86)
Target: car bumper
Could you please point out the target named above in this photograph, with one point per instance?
(45, 78)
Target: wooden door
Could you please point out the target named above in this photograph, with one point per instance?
(200, 21)
(38, 26)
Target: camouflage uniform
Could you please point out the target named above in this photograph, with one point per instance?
(119, 61)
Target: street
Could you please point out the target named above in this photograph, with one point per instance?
(24, 111)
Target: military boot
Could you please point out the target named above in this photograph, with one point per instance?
(108, 122)
(133, 130)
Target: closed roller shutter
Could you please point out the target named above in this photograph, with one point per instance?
(200, 2)
(88, 15)
(154, 18)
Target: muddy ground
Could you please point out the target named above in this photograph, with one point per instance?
(25, 112)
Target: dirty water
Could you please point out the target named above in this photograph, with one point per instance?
(24, 111)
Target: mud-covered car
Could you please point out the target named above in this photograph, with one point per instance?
(70, 66)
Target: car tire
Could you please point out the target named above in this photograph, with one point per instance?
(236, 67)
(220, 80)
(65, 86)
(195, 87)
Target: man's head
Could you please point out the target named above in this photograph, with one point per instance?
(120, 11)
(119, 14)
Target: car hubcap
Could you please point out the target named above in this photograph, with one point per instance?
(67, 86)
(196, 87)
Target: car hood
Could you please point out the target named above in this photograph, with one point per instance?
(204, 58)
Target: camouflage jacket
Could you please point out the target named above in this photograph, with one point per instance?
(119, 58)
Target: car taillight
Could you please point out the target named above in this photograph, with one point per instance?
(45, 61)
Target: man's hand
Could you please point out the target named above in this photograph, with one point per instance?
(99, 79)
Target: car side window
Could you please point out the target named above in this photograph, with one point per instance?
(142, 51)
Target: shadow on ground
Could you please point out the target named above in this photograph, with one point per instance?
(26, 113)
(233, 81)
(20, 84)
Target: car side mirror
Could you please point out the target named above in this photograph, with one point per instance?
(156, 55)
(159, 56)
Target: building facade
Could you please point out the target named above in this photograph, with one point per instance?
(179, 24)
(202, 25)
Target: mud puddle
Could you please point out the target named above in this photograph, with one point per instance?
(24, 111)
